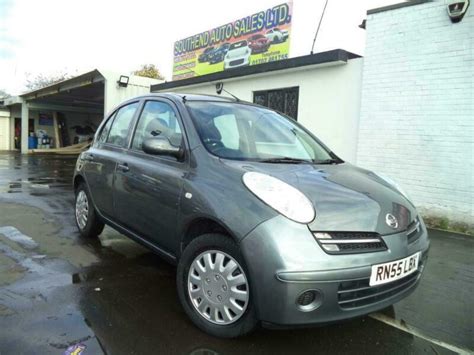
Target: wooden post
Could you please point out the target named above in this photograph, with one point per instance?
(57, 138)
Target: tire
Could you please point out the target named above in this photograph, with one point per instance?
(220, 323)
(92, 226)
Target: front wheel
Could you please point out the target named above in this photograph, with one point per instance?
(87, 221)
(214, 287)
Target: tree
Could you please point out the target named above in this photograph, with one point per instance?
(4, 94)
(149, 71)
(42, 80)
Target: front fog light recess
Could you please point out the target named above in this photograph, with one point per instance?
(280, 196)
(309, 300)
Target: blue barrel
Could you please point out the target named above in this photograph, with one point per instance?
(32, 142)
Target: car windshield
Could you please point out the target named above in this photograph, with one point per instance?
(238, 45)
(246, 132)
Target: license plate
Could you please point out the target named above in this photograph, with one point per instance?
(394, 270)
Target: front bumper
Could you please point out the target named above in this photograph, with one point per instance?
(236, 62)
(284, 260)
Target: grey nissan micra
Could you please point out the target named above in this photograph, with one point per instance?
(265, 223)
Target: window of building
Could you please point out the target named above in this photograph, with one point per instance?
(282, 100)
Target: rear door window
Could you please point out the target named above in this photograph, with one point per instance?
(120, 127)
(104, 133)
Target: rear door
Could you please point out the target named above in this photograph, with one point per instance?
(149, 187)
(102, 157)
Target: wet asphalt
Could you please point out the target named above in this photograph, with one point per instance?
(112, 296)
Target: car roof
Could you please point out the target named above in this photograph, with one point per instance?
(186, 97)
(180, 97)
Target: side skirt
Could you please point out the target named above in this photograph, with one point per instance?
(132, 235)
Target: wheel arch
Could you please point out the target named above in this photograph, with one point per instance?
(78, 179)
(203, 225)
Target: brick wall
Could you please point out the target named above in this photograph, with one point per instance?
(417, 116)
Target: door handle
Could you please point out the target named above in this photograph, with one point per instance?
(124, 167)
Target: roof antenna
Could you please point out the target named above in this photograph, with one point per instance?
(220, 88)
(319, 25)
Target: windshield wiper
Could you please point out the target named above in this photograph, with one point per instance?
(286, 160)
(328, 161)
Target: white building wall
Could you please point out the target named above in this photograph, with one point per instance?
(417, 117)
(4, 129)
(115, 94)
(329, 99)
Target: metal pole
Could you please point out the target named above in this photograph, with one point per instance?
(319, 25)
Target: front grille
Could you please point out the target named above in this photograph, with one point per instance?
(414, 230)
(358, 293)
(236, 62)
(350, 242)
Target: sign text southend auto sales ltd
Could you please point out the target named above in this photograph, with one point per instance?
(270, 18)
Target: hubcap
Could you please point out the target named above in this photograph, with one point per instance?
(218, 287)
(82, 209)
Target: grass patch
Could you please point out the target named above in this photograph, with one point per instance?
(445, 224)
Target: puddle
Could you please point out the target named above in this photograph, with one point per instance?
(35, 224)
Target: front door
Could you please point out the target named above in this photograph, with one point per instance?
(148, 188)
(102, 157)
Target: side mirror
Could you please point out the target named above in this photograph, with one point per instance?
(161, 146)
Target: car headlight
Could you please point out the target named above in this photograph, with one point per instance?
(280, 196)
(394, 184)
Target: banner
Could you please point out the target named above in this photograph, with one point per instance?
(259, 38)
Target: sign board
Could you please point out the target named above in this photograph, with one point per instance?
(259, 38)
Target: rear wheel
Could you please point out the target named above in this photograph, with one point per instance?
(87, 221)
(214, 287)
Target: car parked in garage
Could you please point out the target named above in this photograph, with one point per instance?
(238, 55)
(218, 54)
(258, 43)
(275, 35)
(265, 222)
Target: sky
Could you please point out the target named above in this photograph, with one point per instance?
(52, 36)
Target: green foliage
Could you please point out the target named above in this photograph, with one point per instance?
(4, 94)
(149, 71)
(41, 80)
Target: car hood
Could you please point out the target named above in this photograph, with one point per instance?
(238, 52)
(345, 197)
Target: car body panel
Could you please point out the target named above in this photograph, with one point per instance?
(340, 195)
(98, 170)
(157, 200)
(281, 247)
(151, 184)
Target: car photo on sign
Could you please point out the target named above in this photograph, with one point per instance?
(218, 54)
(258, 43)
(238, 55)
(277, 35)
(204, 57)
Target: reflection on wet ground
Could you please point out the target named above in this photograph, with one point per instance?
(113, 296)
